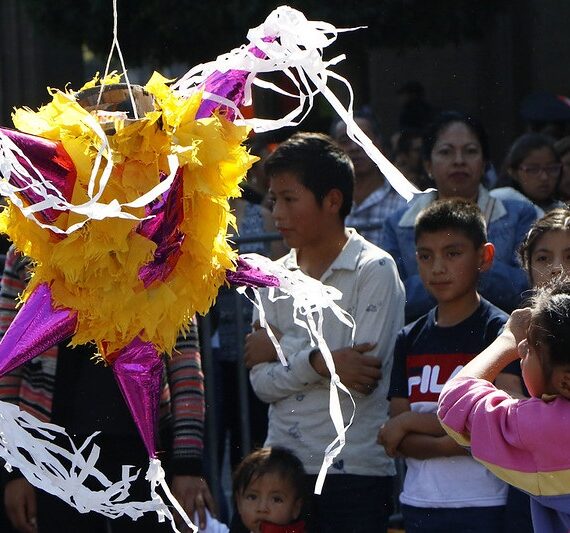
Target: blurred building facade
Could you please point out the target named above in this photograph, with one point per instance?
(31, 61)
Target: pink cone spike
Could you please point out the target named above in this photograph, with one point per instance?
(250, 276)
(36, 328)
(230, 85)
(53, 163)
(138, 371)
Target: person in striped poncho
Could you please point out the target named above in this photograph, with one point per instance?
(64, 386)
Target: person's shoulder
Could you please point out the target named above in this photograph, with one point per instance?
(515, 202)
(394, 218)
(415, 328)
(489, 321)
(491, 312)
(371, 255)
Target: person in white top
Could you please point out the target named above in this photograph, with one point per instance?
(311, 182)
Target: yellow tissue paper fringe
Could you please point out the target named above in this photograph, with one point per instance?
(94, 270)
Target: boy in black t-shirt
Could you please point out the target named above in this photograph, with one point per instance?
(444, 489)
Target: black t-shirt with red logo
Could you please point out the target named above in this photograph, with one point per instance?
(427, 355)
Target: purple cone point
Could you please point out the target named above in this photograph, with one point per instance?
(250, 276)
(230, 85)
(138, 371)
(36, 328)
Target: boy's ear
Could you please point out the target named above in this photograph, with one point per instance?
(333, 200)
(487, 256)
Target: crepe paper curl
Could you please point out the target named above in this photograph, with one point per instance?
(50, 459)
(309, 298)
(36, 328)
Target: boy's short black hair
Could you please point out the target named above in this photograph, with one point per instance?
(453, 214)
(271, 460)
(319, 164)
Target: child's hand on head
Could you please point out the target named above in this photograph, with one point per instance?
(518, 324)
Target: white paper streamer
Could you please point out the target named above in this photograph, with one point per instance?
(309, 300)
(296, 50)
(62, 468)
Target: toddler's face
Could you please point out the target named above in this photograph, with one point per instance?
(550, 256)
(268, 498)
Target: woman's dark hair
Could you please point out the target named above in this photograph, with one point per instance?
(524, 145)
(273, 460)
(318, 163)
(445, 119)
(550, 322)
(556, 220)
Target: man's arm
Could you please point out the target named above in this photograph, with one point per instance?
(19, 494)
(186, 382)
(273, 381)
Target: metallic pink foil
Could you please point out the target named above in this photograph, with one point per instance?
(228, 84)
(163, 229)
(36, 328)
(138, 371)
(51, 161)
(250, 276)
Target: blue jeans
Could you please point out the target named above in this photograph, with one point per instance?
(351, 504)
(458, 520)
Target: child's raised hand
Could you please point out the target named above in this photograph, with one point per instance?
(518, 323)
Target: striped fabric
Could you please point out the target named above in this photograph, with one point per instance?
(31, 386)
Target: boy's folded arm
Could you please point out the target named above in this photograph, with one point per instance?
(423, 446)
(423, 423)
(274, 381)
(403, 423)
(356, 371)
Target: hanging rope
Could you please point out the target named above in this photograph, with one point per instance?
(120, 54)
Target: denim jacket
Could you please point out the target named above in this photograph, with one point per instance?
(508, 222)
